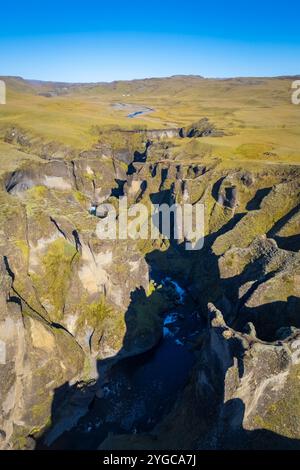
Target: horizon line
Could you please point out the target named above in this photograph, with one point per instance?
(179, 75)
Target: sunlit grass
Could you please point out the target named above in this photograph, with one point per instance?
(256, 114)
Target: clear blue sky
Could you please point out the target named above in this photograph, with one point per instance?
(95, 40)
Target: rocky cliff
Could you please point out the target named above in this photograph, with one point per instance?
(69, 300)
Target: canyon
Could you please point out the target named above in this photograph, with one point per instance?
(139, 343)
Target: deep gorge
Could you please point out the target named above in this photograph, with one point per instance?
(126, 360)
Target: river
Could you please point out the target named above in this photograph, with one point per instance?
(141, 389)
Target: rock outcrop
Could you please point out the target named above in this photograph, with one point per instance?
(70, 300)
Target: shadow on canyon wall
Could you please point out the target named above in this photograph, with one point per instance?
(198, 272)
(242, 439)
(209, 409)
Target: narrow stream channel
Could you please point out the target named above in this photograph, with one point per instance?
(140, 112)
(141, 389)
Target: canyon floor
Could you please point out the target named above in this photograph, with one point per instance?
(141, 344)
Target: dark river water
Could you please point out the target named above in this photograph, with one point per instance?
(140, 389)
